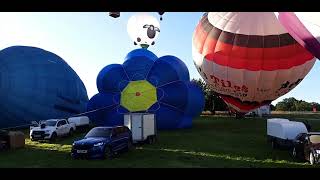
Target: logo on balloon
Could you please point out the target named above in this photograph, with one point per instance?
(226, 86)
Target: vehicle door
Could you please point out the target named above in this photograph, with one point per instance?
(65, 127)
(60, 128)
(307, 147)
(128, 133)
(123, 138)
(119, 139)
(299, 143)
(114, 139)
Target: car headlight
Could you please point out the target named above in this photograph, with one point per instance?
(98, 144)
(318, 151)
(47, 131)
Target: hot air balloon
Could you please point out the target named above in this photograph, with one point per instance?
(248, 58)
(304, 27)
(117, 14)
(37, 85)
(146, 83)
(161, 13)
(114, 14)
(143, 29)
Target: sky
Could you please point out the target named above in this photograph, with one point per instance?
(88, 41)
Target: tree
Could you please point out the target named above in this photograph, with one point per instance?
(292, 104)
(213, 102)
(282, 106)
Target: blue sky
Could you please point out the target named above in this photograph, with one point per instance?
(88, 41)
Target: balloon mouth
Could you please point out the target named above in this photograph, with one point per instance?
(145, 46)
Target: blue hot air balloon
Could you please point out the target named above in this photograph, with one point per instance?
(35, 85)
(146, 83)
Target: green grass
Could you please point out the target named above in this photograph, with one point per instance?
(212, 142)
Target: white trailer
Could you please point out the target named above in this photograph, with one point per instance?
(282, 132)
(81, 122)
(142, 126)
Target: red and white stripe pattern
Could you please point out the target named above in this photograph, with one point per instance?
(248, 57)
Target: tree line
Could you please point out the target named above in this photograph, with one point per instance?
(292, 104)
(214, 103)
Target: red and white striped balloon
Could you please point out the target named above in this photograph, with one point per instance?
(249, 58)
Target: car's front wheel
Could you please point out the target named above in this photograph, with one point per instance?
(311, 158)
(53, 137)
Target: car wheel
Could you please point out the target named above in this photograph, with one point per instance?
(108, 153)
(71, 132)
(311, 158)
(53, 137)
(129, 145)
(294, 152)
(151, 140)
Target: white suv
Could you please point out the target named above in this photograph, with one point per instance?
(51, 129)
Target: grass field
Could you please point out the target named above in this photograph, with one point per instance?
(212, 142)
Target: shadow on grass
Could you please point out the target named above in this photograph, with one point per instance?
(67, 140)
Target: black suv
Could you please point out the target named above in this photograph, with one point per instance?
(306, 146)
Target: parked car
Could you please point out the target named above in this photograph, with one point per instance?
(307, 147)
(103, 142)
(51, 129)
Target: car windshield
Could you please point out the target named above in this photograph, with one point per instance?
(99, 132)
(315, 139)
(51, 123)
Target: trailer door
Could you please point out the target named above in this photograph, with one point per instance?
(136, 127)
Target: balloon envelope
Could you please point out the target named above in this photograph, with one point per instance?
(248, 57)
(154, 85)
(143, 29)
(37, 85)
